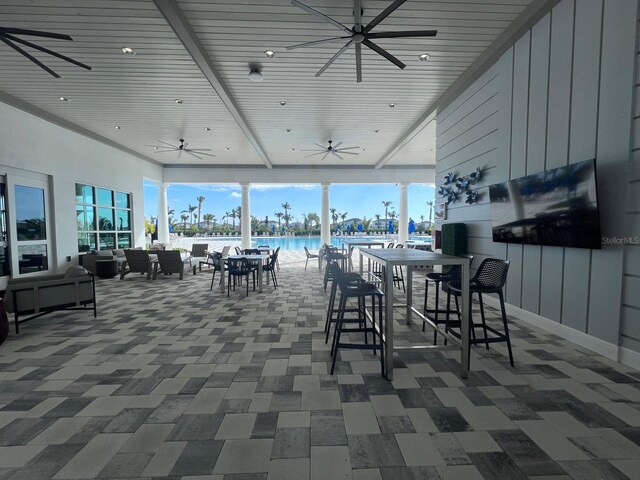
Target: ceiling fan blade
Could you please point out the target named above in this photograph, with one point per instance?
(321, 146)
(189, 152)
(358, 63)
(34, 33)
(185, 145)
(164, 151)
(357, 15)
(46, 50)
(325, 156)
(384, 53)
(342, 152)
(165, 143)
(333, 59)
(336, 154)
(200, 150)
(320, 15)
(314, 154)
(384, 14)
(335, 147)
(315, 42)
(29, 56)
(179, 154)
(200, 153)
(348, 148)
(406, 34)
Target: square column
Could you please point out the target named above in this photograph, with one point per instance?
(163, 215)
(245, 221)
(403, 214)
(325, 221)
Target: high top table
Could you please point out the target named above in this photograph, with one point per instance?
(409, 257)
(356, 242)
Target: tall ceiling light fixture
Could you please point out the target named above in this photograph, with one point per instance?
(8, 36)
(360, 35)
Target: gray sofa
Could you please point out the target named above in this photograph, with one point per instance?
(36, 296)
(89, 259)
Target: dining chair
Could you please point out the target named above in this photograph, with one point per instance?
(239, 268)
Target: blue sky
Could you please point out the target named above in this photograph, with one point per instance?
(356, 200)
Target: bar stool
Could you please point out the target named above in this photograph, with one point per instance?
(451, 274)
(332, 311)
(333, 256)
(489, 278)
(361, 291)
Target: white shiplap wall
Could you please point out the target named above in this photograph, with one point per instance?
(630, 326)
(562, 94)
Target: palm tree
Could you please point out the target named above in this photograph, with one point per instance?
(255, 223)
(184, 218)
(266, 221)
(226, 216)
(344, 217)
(207, 217)
(305, 221)
(377, 220)
(191, 208)
(200, 199)
(313, 218)
(366, 223)
(184, 211)
(386, 209)
(233, 217)
(286, 216)
(279, 216)
(430, 211)
(422, 220)
(334, 217)
(213, 219)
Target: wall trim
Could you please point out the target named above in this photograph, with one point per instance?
(606, 349)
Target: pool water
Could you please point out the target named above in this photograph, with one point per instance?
(313, 243)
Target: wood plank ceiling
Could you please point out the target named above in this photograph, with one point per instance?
(138, 92)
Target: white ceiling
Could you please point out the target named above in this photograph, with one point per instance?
(138, 92)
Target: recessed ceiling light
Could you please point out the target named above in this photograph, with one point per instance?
(288, 130)
(64, 99)
(128, 51)
(282, 104)
(255, 76)
(424, 57)
(179, 101)
(377, 131)
(269, 53)
(207, 129)
(292, 148)
(117, 127)
(392, 105)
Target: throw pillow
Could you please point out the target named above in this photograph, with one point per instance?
(75, 272)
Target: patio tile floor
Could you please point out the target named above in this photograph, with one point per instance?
(173, 380)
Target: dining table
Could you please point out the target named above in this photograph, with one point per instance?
(409, 258)
(255, 258)
(350, 244)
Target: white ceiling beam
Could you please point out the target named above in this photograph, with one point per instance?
(180, 25)
(527, 19)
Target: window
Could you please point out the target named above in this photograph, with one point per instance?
(104, 218)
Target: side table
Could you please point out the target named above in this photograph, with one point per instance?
(106, 268)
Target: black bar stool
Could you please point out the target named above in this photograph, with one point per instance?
(361, 291)
(489, 278)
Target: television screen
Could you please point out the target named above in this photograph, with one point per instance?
(557, 207)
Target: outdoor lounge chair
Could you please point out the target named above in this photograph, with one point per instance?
(199, 251)
(73, 290)
(169, 262)
(138, 261)
(309, 255)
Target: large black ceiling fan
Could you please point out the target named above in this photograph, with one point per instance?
(182, 148)
(331, 149)
(360, 35)
(8, 36)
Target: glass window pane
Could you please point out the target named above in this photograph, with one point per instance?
(32, 258)
(3, 214)
(123, 222)
(124, 240)
(122, 200)
(86, 218)
(105, 197)
(107, 241)
(30, 214)
(105, 219)
(84, 194)
(5, 261)
(86, 242)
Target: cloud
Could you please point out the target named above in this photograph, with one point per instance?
(235, 195)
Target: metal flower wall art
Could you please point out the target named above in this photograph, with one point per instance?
(454, 186)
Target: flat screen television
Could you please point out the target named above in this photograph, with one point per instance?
(556, 207)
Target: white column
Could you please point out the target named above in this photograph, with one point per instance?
(325, 220)
(403, 214)
(245, 221)
(163, 216)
